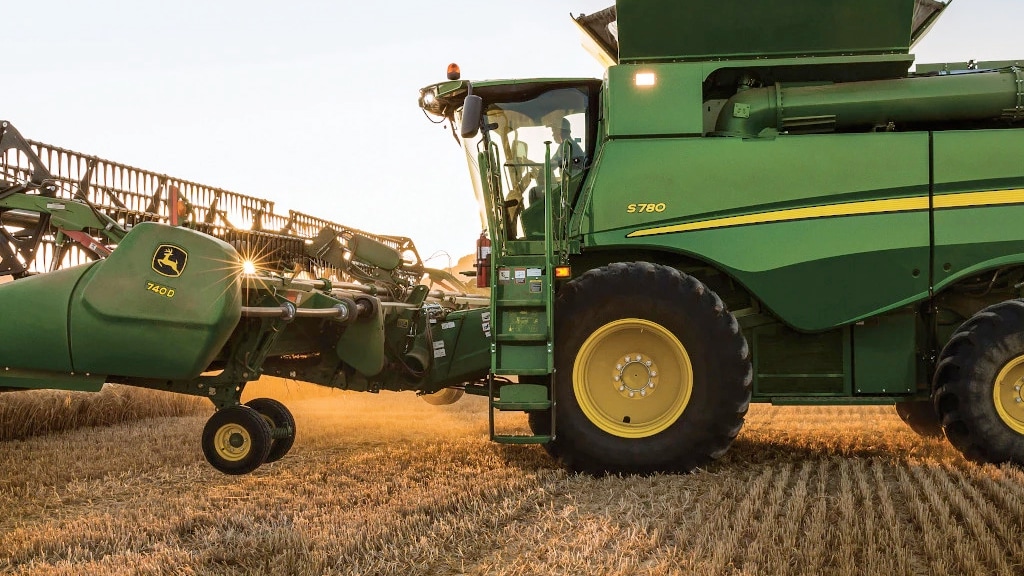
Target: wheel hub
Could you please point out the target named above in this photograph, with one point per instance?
(232, 442)
(1007, 394)
(632, 378)
(635, 376)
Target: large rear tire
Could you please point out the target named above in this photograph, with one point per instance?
(653, 371)
(978, 385)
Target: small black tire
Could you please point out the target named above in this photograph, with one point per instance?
(677, 334)
(236, 440)
(279, 418)
(978, 381)
(921, 417)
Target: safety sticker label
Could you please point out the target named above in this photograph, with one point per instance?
(439, 349)
(485, 323)
(447, 325)
(533, 272)
(504, 274)
(520, 274)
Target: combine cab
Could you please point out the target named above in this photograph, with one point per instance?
(759, 202)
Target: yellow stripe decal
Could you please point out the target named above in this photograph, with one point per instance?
(847, 209)
(979, 199)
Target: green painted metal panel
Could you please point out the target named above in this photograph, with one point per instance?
(669, 106)
(705, 29)
(29, 379)
(979, 187)
(34, 320)
(824, 229)
(787, 362)
(837, 400)
(465, 350)
(522, 397)
(362, 345)
(884, 353)
(161, 306)
(521, 358)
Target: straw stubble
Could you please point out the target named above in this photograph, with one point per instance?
(386, 484)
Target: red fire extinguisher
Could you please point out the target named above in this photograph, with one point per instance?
(483, 261)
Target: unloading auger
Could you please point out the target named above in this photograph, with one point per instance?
(113, 274)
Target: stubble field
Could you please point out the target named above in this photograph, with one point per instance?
(386, 484)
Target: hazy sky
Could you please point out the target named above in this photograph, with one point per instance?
(313, 103)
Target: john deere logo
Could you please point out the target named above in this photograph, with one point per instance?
(169, 260)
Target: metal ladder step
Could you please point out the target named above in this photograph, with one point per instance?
(538, 302)
(505, 439)
(534, 337)
(522, 398)
(522, 372)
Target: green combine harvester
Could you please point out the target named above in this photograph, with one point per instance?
(759, 202)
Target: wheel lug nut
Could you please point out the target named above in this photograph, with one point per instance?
(622, 388)
(617, 378)
(643, 392)
(631, 394)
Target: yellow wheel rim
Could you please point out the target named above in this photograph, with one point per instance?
(1007, 394)
(232, 442)
(632, 378)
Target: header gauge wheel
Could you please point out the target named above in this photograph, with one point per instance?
(236, 440)
(653, 371)
(282, 425)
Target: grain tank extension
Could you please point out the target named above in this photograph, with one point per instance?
(760, 201)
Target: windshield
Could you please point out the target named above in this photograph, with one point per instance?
(520, 134)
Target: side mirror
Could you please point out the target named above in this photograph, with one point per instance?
(472, 110)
